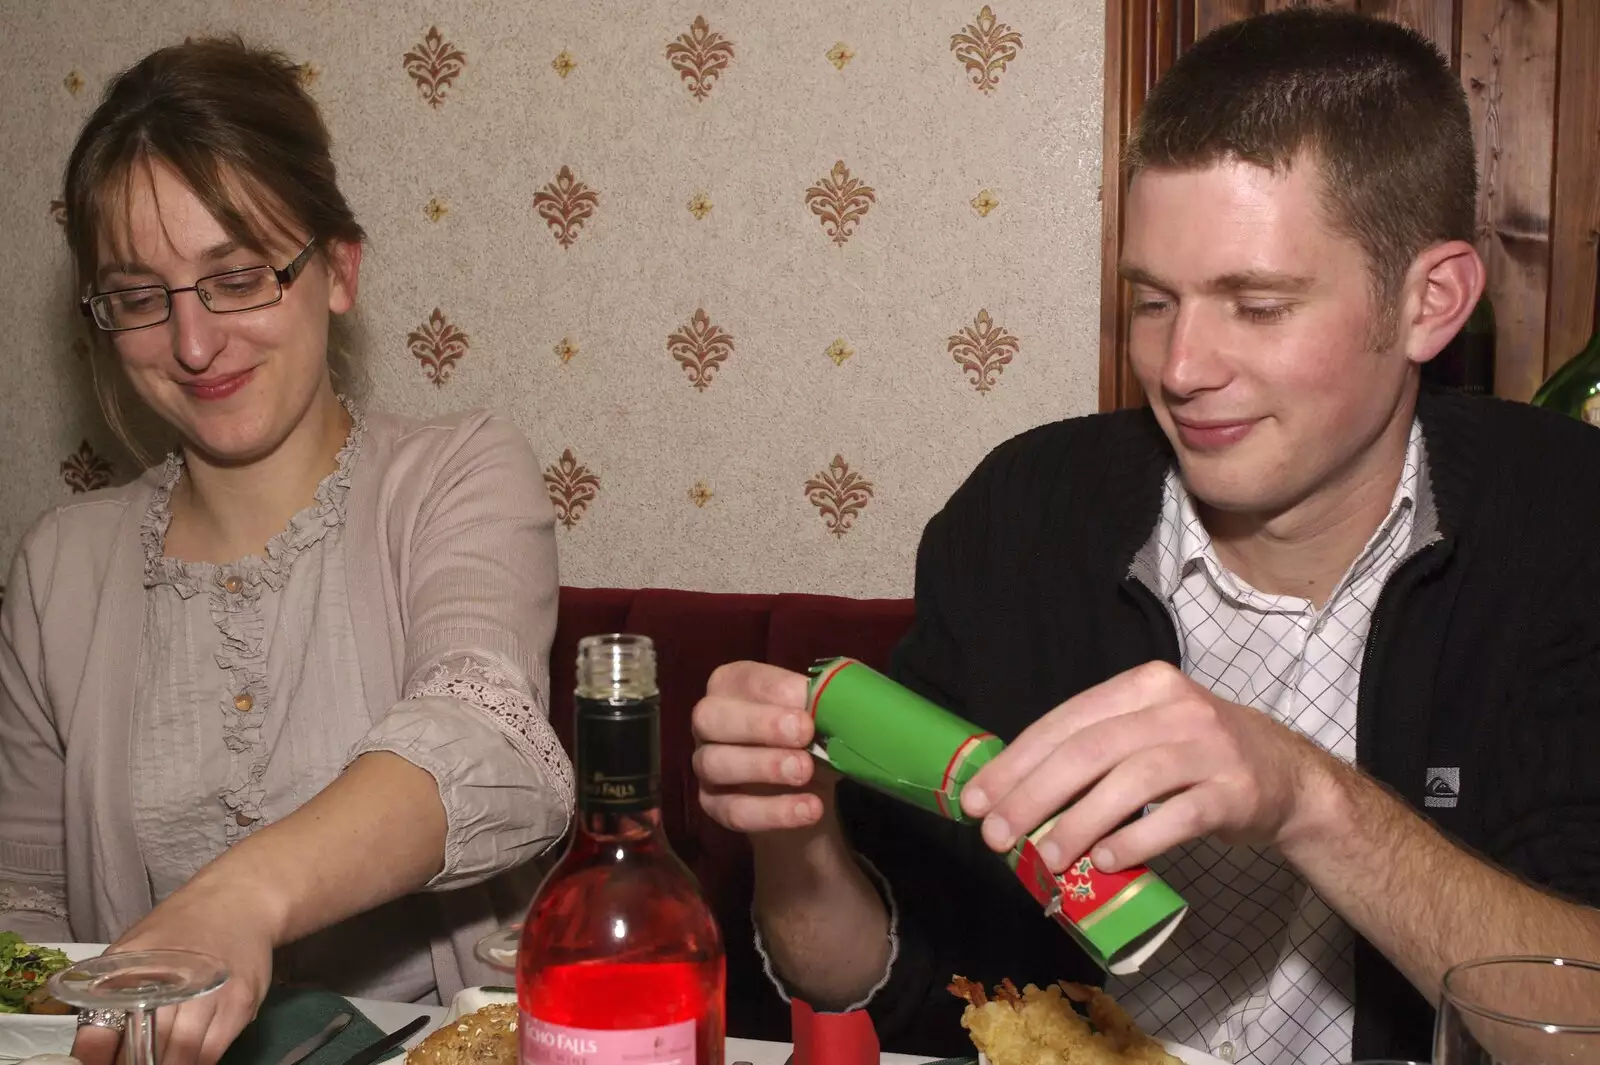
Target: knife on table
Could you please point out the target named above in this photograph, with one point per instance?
(334, 1026)
(371, 1053)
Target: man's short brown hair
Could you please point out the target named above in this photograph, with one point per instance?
(1373, 103)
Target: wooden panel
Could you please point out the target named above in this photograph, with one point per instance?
(1142, 42)
(1508, 64)
(1209, 14)
(1575, 201)
(1434, 19)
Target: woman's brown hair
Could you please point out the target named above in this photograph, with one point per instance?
(236, 125)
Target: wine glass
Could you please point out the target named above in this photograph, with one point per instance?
(1519, 1011)
(139, 982)
(498, 950)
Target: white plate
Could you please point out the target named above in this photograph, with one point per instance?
(23, 1035)
(1187, 1055)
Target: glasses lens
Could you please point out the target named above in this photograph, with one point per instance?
(130, 308)
(240, 290)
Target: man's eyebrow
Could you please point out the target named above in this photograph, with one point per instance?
(1240, 281)
(1259, 281)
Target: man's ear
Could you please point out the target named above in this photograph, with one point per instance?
(1441, 289)
(344, 274)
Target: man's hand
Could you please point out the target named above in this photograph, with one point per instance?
(207, 918)
(1150, 735)
(755, 773)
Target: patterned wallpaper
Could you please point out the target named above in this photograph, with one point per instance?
(762, 282)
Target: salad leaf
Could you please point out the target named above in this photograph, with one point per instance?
(23, 968)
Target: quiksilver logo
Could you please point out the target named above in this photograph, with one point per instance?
(1443, 789)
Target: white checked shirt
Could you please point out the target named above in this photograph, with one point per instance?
(1260, 970)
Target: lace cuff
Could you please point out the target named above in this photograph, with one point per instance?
(887, 895)
(510, 703)
(49, 901)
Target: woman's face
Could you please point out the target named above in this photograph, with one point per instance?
(234, 385)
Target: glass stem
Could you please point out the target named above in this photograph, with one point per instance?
(141, 1037)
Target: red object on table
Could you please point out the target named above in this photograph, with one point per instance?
(832, 1038)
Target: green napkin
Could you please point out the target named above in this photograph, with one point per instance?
(289, 1017)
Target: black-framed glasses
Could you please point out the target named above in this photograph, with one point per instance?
(245, 289)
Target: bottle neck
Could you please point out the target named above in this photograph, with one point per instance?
(619, 767)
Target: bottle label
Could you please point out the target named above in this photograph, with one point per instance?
(554, 1044)
(618, 755)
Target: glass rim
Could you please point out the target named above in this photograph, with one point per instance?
(209, 973)
(1456, 999)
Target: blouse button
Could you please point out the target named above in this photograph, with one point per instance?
(234, 585)
(243, 820)
(243, 702)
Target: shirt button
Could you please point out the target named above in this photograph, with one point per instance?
(245, 821)
(233, 585)
(1225, 1052)
(243, 702)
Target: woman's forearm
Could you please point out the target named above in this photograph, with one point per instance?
(374, 834)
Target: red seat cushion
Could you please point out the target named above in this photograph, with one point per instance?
(806, 628)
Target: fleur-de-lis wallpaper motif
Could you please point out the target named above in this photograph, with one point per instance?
(700, 206)
(564, 64)
(572, 488)
(840, 54)
(840, 201)
(85, 471)
(984, 202)
(565, 350)
(840, 494)
(58, 211)
(435, 209)
(985, 47)
(307, 75)
(73, 82)
(983, 349)
(701, 494)
(700, 347)
(564, 204)
(438, 346)
(838, 351)
(434, 64)
(699, 56)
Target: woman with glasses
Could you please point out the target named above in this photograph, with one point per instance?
(281, 700)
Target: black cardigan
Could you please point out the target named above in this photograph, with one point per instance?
(1484, 654)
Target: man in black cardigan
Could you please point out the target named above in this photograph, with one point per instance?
(1339, 645)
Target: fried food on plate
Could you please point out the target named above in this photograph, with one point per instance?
(484, 1037)
(1037, 1026)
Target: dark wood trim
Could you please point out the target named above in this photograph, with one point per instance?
(1575, 194)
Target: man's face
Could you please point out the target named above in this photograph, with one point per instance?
(1252, 334)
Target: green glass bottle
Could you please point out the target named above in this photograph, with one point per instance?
(1466, 365)
(1575, 388)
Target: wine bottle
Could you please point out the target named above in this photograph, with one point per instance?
(1574, 389)
(620, 959)
(1466, 365)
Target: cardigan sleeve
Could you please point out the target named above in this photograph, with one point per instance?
(32, 762)
(479, 591)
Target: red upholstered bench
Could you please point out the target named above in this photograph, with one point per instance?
(694, 633)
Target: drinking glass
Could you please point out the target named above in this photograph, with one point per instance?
(498, 950)
(1519, 1011)
(139, 982)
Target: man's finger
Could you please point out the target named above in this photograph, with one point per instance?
(1184, 817)
(1145, 777)
(1068, 770)
(761, 813)
(759, 682)
(1126, 693)
(723, 766)
(726, 719)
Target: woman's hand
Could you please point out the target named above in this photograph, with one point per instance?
(211, 919)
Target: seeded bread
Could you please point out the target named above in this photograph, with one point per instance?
(485, 1037)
